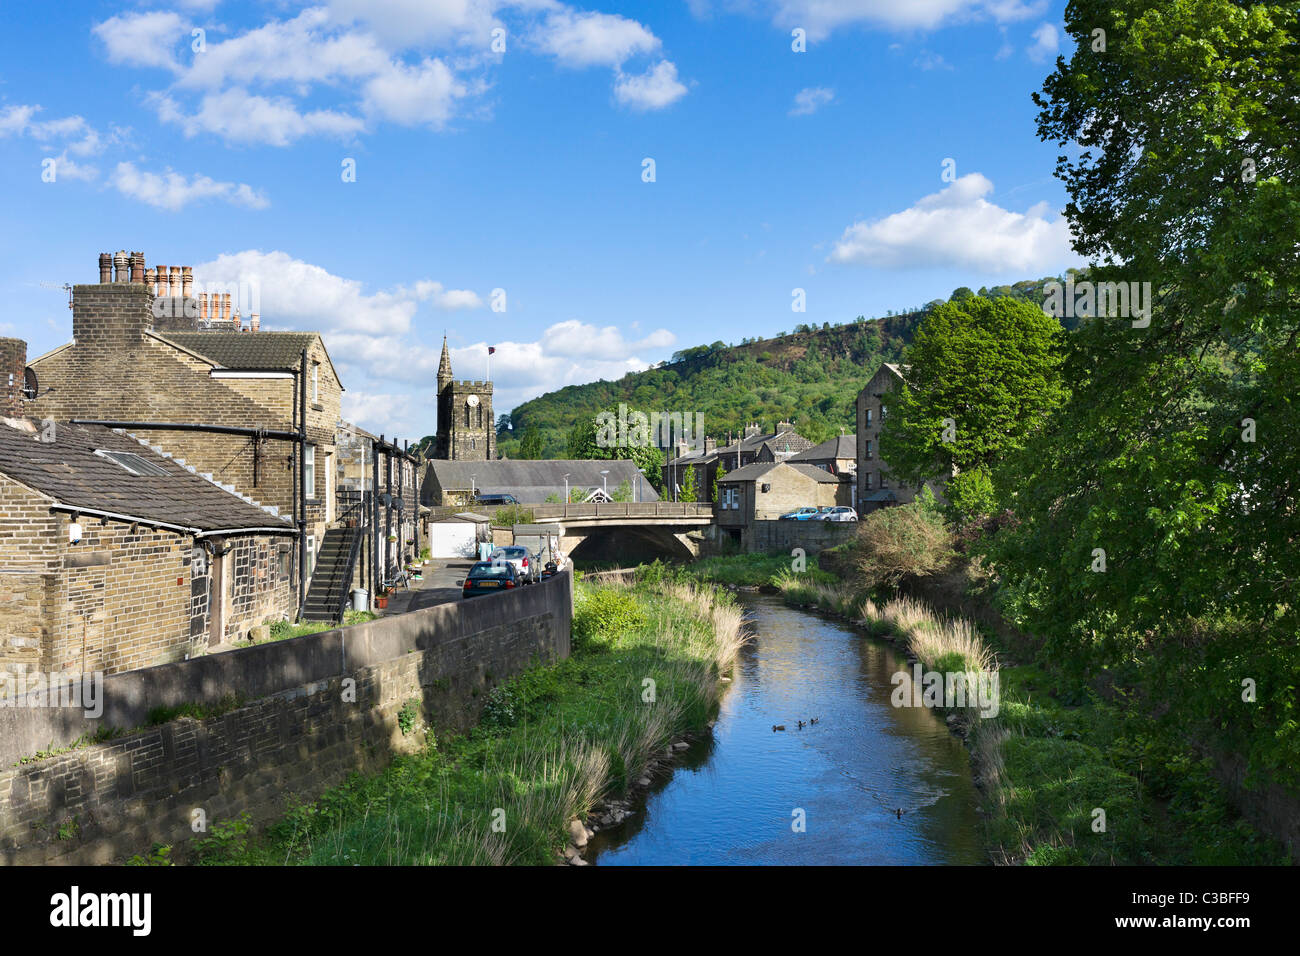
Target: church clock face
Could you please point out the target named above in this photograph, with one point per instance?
(472, 401)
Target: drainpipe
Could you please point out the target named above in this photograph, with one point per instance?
(375, 578)
(301, 491)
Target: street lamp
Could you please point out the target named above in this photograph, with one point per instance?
(604, 480)
(639, 495)
(473, 491)
(566, 496)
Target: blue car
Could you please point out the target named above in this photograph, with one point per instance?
(802, 514)
(487, 577)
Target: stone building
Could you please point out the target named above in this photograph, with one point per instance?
(147, 354)
(754, 445)
(115, 557)
(466, 428)
(764, 491)
(837, 455)
(875, 487)
(455, 484)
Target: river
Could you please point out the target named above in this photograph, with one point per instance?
(735, 798)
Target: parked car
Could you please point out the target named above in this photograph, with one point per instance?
(838, 513)
(487, 577)
(525, 563)
(800, 514)
(491, 500)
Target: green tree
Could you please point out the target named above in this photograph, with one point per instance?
(583, 444)
(983, 375)
(530, 446)
(717, 475)
(688, 484)
(1186, 177)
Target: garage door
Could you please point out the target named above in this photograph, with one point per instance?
(452, 539)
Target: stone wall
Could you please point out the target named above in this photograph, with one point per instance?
(304, 729)
(812, 536)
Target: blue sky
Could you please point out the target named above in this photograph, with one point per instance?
(481, 170)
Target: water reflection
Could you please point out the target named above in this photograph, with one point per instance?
(732, 799)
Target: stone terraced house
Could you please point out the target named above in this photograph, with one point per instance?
(145, 351)
(115, 557)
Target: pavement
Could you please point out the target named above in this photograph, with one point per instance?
(442, 581)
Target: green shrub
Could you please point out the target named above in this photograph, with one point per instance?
(893, 544)
(602, 614)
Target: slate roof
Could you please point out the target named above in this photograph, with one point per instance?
(761, 468)
(841, 446)
(246, 351)
(533, 481)
(68, 471)
(781, 442)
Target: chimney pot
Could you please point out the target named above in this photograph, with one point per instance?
(105, 268)
(187, 281)
(150, 279)
(121, 263)
(160, 276)
(254, 322)
(137, 267)
(203, 307)
(175, 281)
(225, 314)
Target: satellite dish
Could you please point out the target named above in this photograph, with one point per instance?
(29, 383)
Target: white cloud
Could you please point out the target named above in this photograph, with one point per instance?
(1047, 41)
(959, 227)
(413, 96)
(241, 117)
(173, 191)
(144, 39)
(593, 39)
(66, 168)
(810, 99)
(821, 17)
(297, 294)
(652, 90)
(929, 60)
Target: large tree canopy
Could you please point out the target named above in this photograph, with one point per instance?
(983, 373)
(1164, 495)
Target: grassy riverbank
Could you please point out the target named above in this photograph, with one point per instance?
(1055, 754)
(550, 743)
(754, 570)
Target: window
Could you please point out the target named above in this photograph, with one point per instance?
(868, 418)
(882, 411)
(867, 484)
(311, 554)
(309, 471)
(315, 382)
(136, 464)
(867, 452)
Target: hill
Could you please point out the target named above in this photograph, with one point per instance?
(811, 376)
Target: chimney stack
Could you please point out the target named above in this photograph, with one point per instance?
(120, 266)
(13, 365)
(105, 268)
(137, 267)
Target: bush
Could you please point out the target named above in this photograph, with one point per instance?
(894, 544)
(602, 614)
(508, 515)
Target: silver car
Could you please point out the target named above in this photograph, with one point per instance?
(527, 567)
(840, 513)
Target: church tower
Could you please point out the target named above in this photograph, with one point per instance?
(466, 427)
